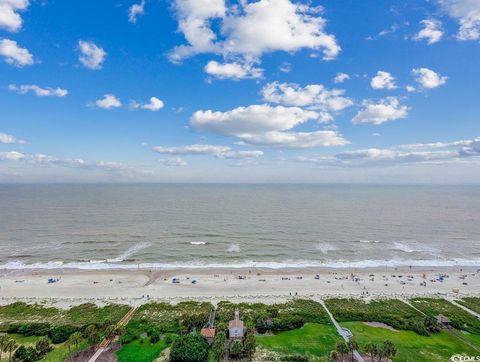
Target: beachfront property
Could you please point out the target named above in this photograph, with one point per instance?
(236, 327)
(208, 331)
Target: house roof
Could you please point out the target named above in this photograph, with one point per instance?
(236, 323)
(208, 332)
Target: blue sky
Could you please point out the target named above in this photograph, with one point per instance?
(247, 91)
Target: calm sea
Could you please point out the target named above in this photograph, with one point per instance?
(156, 225)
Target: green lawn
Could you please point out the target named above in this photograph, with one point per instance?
(141, 352)
(411, 346)
(61, 352)
(312, 339)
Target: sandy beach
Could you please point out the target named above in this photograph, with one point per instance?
(250, 285)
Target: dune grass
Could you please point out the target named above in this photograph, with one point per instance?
(411, 346)
(459, 318)
(141, 351)
(312, 339)
(84, 314)
(471, 303)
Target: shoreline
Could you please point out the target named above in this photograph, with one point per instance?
(136, 287)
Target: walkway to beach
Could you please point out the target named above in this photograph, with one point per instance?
(106, 342)
(340, 331)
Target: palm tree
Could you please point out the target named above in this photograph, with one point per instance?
(389, 349)
(3, 340)
(371, 348)
(74, 340)
(333, 355)
(110, 331)
(342, 348)
(10, 347)
(352, 346)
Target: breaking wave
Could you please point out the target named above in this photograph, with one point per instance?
(130, 252)
(100, 265)
(234, 248)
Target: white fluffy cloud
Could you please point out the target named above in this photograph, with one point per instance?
(9, 139)
(467, 13)
(13, 54)
(388, 109)
(91, 55)
(197, 149)
(135, 10)
(265, 125)
(419, 153)
(11, 156)
(154, 105)
(383, 80)
(251, 120)
(173, 162)
(431, 32)
(223, 152)
(341, 77)
(38, 91)
(313, 96)
(296, 140)
(428, 79)
(10, 18)
(251, 29)
(108, 101)
(233, 70)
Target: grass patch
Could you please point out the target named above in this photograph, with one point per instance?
(84, 314)
(471, 303)
(280, 315)
(312, 339)
(393, 312)
(61, 352)
(141, 351)
(460, 319)
(170, 318)
(26, 341)
(411, 346)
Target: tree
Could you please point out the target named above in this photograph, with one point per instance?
(250, 343)
(342, 348)
(189, 348)
(3, 340)
(333, 355)
(352, 346)
(431, 325)
(110, 331)
(219, 345)
(236, 348)
(25, 354)
(389, 349)
(10, 347)
(74, 340)
(91, 334)
(372, 349)
(43, 346)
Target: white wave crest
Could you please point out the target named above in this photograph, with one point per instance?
(234, 248)
(375, 263)
(326, 247)
(129, 252)
(198, 242)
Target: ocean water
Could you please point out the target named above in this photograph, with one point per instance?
(163, 226)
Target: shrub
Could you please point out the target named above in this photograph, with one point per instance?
(61, 333)
(26, 354)
(189, 348)
(294, 358)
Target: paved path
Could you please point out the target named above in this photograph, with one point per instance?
(341, 332)
(103, 346)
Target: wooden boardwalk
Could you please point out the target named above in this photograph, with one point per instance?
(106, 342)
